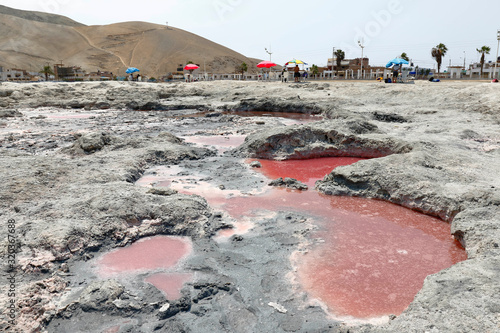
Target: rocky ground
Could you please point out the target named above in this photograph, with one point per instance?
(71, 153)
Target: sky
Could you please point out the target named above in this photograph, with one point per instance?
(309, 30)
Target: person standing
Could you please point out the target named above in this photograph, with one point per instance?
(296, 73)
(395, 73)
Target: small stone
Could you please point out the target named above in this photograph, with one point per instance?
(162, 191)
(256, 164)
(278, 307)
(289, 183)
(120, 304)
(64, 267)
(165, 307)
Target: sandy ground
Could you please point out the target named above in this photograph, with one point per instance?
(71, 154)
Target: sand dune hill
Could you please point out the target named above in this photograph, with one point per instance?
(157, 49)
(33, 41)
(39, 16)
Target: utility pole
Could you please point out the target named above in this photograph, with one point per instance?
(333, 56)
(496, 60)
(362, 47)
(269, 52)
(204, 69)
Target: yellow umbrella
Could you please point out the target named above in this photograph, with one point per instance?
(295, 61)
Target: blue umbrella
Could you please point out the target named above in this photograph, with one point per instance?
(396, 61)
(131, 70)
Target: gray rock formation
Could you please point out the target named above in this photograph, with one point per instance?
(290, 183)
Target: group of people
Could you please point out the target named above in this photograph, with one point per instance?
(137, 78)
(296, 74)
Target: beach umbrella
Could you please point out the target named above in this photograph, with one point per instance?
(131, 70)
(396, 61)
(191, 67)
(266, 64)
(295, 62)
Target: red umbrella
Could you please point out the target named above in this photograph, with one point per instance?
(191, 67)
(266, 64)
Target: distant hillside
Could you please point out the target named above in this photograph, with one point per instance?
(39, 16)
(31, 40)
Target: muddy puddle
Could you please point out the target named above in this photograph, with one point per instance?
(367, 259)
(154, 260)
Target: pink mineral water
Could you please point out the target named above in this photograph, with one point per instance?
(159, 252)
(374, 256)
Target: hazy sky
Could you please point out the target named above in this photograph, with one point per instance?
(308, 30)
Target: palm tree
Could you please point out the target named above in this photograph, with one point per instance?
(438, 53)
(241, 69)
(340, 56)
(404, 56)
(47, 70)
(483, 50)
(314, 70)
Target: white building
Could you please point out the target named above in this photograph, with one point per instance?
(456, 72)
(488, 69)
(14, 75)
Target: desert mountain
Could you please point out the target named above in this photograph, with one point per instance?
(39, 16)
(31, 40)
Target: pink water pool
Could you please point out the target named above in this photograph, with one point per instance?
(159, 252)
(170, 283)
(374, 256)
(307, 171)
